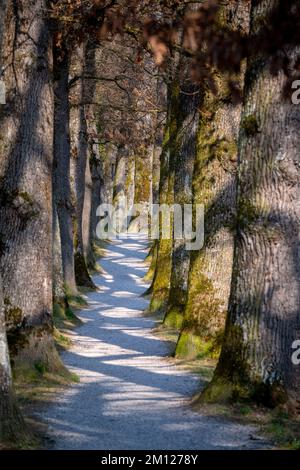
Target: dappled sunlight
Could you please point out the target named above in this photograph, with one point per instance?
(123, 294)
(130, 395)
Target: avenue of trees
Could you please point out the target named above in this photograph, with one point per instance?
(162, 102)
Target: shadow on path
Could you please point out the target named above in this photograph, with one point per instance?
(130, 395)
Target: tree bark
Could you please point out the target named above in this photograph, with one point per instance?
(119, 177)
(26, 149)
(3, 7)
(62, 202)
(12, 426)
(80, 158)
(159, 288)
(187, 117)
(108, 154)
(94, 170)
(263, 318)
(130, 182)
(96, 184)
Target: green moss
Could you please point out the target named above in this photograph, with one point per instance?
(192, 346)
(218, 392)
(63, 315)
(150, 273)
(174, 318)
(152, 258)
(81, 272)
(75, 301)
(158, 303)
(242, 389)
(8, 197)
(247, 213)
(254, 214)
(40, 367)
(61, 340)
(250, 125)
(13, 315)
(142, 176)
(204, 313)
(26, 197)
(161, 282)
(225, 151)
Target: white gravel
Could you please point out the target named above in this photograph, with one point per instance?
(130, 396)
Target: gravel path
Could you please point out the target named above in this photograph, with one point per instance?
(130, 396)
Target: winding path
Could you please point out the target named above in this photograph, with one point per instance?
(130, 396)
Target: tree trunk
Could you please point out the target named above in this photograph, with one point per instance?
(157, 150)
(26, 148)
(119, 178)
(187, 117)
(87, 212)
(142, 187)
(130, 182)
(108, 155)
(3, 7)
(12, 426)
(142, 175)
(156, 171)
(214, 185)
(263, 318)
(61, 166)
(58, 278)
(96, 173)
(80, 157)
(119, 190)
(161, 279)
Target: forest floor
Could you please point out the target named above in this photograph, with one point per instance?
(131, 395)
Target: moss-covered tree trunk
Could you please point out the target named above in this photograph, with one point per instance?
(26, 153)
(187, 117)
(130, 182)
(157, 148)
(93, 176)
(96, 171)
(159, 123)
(119, 177)
(263, 318)
(142, 188)
(214, 185)
(87, 212)
(79, 152)
(62, 204)
(119, 189)
(108, 155)
(161, 280)
(143, 175)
